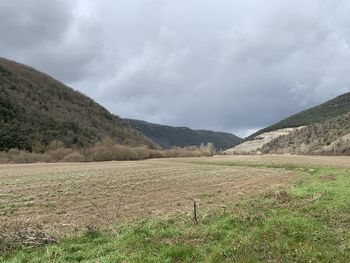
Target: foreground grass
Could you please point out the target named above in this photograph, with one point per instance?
(307, 223)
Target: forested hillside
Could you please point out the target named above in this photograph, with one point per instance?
(168, 136)
(36, 109)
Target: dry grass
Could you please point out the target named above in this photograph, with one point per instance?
(69, 196)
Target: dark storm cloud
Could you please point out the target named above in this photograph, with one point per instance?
(54, 36)
(230, 65)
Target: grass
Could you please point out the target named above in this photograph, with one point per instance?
(307, 222)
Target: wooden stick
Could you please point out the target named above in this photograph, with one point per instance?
(195, 211)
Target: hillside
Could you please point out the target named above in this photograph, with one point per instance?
(36, 109)
(324, 130)
(330, 109)
(329, 137)
(168, 136)
(256, 144)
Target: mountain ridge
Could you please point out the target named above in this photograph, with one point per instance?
(169, 136)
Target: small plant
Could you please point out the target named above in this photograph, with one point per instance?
(92, 231)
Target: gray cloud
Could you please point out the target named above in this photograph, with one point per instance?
(24, 24)
(225, 65)
(58, 37)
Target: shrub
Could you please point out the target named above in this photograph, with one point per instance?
(143, 153)
(54, 145)
(74, 157)
(13, 152)
(59, 154)
(26, 157)
(4, 158)
(107, 150)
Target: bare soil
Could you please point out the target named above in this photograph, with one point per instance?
(69, 196)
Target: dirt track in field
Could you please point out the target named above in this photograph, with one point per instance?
(68, 196)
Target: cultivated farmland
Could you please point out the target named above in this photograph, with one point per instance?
(64, 197)
(251, 208)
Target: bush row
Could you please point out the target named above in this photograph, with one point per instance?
(106, 150)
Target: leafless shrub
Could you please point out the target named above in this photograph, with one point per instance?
(106, 150)
(157, 154)
(74, 157)
(54, 145)
(25, 157)
(4, 158)
(58, 154)
(142, 153)
(13, 152)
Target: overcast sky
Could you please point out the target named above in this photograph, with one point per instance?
(215, 64)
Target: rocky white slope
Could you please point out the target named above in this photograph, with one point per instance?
(253, 146)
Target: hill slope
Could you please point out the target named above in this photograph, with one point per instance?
(324, 129)
(168, 136)
(330, 109)
(329, 137)
(256, 144)
(36, 109)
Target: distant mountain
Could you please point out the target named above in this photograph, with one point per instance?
(330, 109)
(168, 136)
(37, 109)
(324, 129)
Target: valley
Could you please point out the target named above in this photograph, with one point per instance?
(174, 131)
